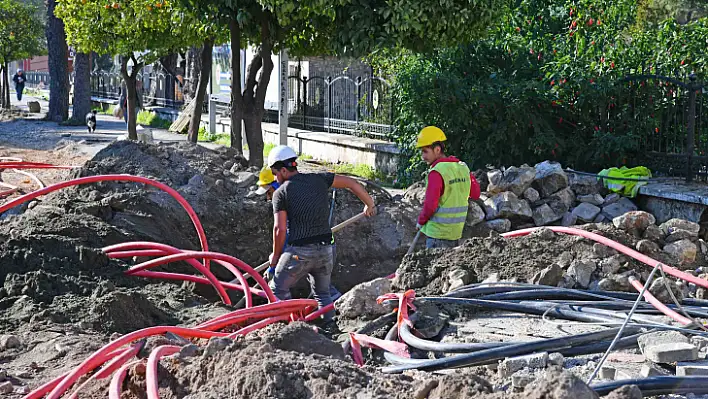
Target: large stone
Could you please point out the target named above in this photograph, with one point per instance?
(216, 345)
(475, 214)
(671, 352)
(595, 199)
(615, 282)
(634, 222)
(513, 179)
(459, 278)
(650, 370)
(360, 301)
(684, 251)
(507, 205)
(648, 247)
(564, 196)
(626, 392)
(660, 338)
(654, 233)
(550, 178)
(548, 276)
(34, 107)
(610, 265)
(563, 385)
(581, 271)
(569, 219)
(584, 185)
(678, 235)
(244, 179)
(618, 208)
(600, 218)
(544, 215)
(6, 387)
(670, 226)
(612, 198)
(531, 195)
(499, 225)
(586, 212)
(511, 365)
(659, 289)
(9, 341)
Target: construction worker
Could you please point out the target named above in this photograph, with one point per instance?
(448, 186)
(300, 207)
(267, 185)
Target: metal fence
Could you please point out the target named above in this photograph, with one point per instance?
(360, 106)
(668, 115)
(157, 88)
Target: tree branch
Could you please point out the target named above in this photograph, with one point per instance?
(251, 74)
(266, 51)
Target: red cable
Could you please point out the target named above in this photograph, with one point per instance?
(153, 387)
(138, 246)
(208, 255)
(114, 390)
(619, 247)
(195, 279)
(95, 360)
(657, 303)
(137, 179)
(316, 314)
(109, 368)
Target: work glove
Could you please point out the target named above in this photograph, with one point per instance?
(269, 274)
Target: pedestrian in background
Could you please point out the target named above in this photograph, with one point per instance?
(19, 79)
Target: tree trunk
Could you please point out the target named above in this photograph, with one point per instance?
(253, 121)
(6, 83)
(236, 91)
(82, 87)
(204, 74)
(130, 80)
(3, 88)
(191, 74)
(58, 68)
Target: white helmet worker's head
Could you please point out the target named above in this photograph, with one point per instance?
(19, 70)
(282, 162)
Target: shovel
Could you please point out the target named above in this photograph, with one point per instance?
(415, 241)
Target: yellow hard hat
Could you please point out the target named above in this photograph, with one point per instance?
(430, 135)
(265, 177)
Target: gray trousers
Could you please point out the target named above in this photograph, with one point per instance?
(438, 243)
(315, 261)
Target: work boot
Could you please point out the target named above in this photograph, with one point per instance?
(328, 328)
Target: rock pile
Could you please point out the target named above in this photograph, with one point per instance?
(544, 195)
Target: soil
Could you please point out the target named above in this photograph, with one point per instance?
(511, 259)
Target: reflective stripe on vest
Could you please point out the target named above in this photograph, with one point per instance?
(449, 220)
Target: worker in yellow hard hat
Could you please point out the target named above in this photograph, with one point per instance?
(267, 184)
(448, 186)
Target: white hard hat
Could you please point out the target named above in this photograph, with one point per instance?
(280, 153)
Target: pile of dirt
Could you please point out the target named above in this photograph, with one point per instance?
(55, 280)
(435, 272)
(258, 365)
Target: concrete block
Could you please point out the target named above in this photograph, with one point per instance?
(660, 337)
(650, 370)
(513, 364)
(608, 372)
(684, 369)
(670, 353)
(556, 359)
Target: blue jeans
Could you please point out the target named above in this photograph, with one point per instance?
(315, 261)
(438, 243)
(19, 91)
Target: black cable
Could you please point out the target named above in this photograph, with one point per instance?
(657, 385)
(492, 355)
(444, 347)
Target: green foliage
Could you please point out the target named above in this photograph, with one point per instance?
(148, 118)
(364, 171)
(218, 138)
(21, 31)
(147, 28)
(547, 83)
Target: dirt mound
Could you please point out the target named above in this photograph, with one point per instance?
(302, 338)
(512, 259)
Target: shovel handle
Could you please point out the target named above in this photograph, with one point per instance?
(415, 241)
